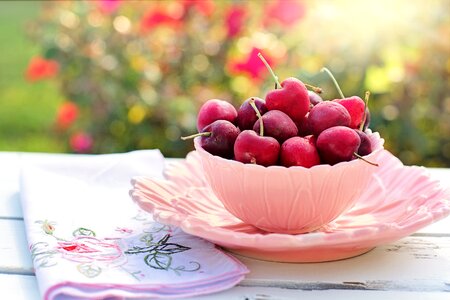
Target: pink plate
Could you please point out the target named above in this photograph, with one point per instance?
(399, 201)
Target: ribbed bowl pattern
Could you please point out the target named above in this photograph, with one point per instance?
(288, 200)
(399, 201)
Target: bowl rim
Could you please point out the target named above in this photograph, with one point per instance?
(373, 136)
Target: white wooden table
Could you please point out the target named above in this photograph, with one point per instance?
(415, 267)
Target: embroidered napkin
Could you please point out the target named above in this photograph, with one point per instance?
(89, 240)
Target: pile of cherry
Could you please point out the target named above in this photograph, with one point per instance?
(291, 127)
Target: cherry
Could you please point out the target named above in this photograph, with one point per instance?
(299, 151)
(312, 139)
(327, 114)
(355, 107)
(303, 126)
(292, 98)
(253, 148)
(218, 138)
(366, 146)
(246, 115)
(250, 147)
(314, 98)
(337, 144)
(215, 109)
(278, 125)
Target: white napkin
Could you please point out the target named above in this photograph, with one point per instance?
(89, 240)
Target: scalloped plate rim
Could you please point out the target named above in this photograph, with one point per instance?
(248, 241)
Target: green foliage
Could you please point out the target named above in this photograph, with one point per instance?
(26, 110)
(139, 70)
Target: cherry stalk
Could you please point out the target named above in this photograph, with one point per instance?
(275, 77)
(334, 81)
(258, 114)
(365, 160)
(277, 82)
(366, 101)
(192, 136)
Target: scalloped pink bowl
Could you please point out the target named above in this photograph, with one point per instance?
(288, 200)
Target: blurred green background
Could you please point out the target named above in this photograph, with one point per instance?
(108, 76)
(26, 110)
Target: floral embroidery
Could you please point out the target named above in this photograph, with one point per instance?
(93, 254)
(48, 227)
(83, 232)
(158, 255)
(124, 230)
(89, 270)
(89, 249)
(41, 256)
(90, 252)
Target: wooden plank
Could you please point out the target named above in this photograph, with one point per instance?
(9, 185)
(411, 264)
(265, 293)
(14, 255)
(19, 287)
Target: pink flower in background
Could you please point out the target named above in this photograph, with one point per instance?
(159, 17)
(108, 6)
(66, 115)
(234, 20)
(205, 7)
(81, 142)
(41, 68)
(284, 12)
(252, 65)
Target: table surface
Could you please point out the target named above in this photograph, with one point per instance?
(415, 267)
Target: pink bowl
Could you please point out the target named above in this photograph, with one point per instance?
(288, 200)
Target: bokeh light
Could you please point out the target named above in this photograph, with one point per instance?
(139, 70)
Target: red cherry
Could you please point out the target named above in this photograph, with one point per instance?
(256, 149)
(215, 109)
(337, 144)
(246, 115)
(277, 125)
(303, 126)
(314, 98)
(355, 107)
(327, 114)
(218, 138)
(366, 146)
(253, 148)
(299, 151)
(292, 99)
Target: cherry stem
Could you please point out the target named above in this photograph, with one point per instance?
(365, 160)
(275, 77)
(316, 89)
(261, 123)
(195, 135)
(334, 81)
(366, 103)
